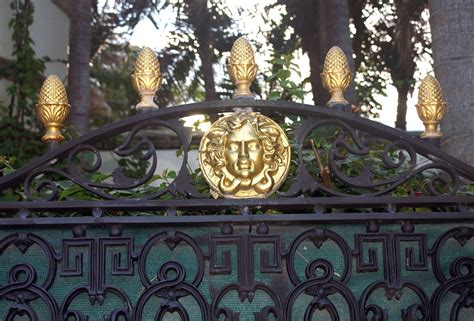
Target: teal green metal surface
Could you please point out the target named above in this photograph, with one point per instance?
(245, 269)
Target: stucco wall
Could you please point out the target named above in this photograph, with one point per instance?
(50, 33)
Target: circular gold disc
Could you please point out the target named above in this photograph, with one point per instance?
(244, 155)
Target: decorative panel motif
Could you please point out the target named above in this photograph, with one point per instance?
(371, 224)
(237, 272)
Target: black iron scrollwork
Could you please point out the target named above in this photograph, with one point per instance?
(393, 284)
(321, 287)
(94, 250)
(246, 285)
(272, 273)
(443, 179)
(321, 280)
(318, 237)
(399, 158)
(461, 274)
(171, 284)
(171, 289)
(78, 168)
(23, 287)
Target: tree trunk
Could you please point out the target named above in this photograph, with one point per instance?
(334, 31)
(311, 44)
(306, 26)
(401, 122)
(80, 31)
(316, 61)
(321, 25)
(452, 23)
(403, 55)
(206, 53)
(200, 18)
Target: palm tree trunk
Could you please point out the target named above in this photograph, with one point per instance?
(206, 53)
(453, 54)
(321, 25)
(401, 122)
(334, 27)
(307, 27)
(201, 19)
(320, 95)
(80, 32)
(316, 61)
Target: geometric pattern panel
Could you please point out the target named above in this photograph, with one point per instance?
(237, 272)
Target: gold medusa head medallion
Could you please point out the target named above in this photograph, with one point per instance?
(244, 155)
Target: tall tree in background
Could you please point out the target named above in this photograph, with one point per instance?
(95, 27)
(319, 25)
(393, 43)
(334, 31)
(114, 19)
(200, 18)
(403, 54)
(204, 31)
(203, 34)
(452, 23)
(395, 40)
(80, 36)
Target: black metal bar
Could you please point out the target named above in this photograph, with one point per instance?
(211, 204)
(285, 219)
(299, 224)
(267, 107)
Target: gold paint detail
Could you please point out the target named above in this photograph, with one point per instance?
(431, 106)
(146, 78)
(336, 75)
(244, 155)
(52, 108)
(242, 67)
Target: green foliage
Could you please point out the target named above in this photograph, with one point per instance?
(369, 83)
(19, 142)
(7, 167)
(18, 126)
(390, 38)
(279, 83)
(110, 73)
(203, 32)
(25, 68)
(112, 20)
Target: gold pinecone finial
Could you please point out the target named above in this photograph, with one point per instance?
(431, 106)
(336, 75)
(52, 108)
(147, 78)
(242, 67)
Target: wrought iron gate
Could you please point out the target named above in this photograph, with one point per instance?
(361, 247)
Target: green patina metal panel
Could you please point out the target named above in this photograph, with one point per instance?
(370, 224)
(238, 272)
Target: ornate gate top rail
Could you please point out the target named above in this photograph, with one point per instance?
(448, 170)
(335, 153)
(347, 237)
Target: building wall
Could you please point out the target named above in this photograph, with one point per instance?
(50, 33)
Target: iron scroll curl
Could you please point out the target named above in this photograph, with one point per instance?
(449, 170)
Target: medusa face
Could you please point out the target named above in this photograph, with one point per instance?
(244, 155)
(243, 152)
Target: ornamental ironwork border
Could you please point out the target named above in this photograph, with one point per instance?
(298, 206)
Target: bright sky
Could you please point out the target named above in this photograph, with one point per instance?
(145, 34)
